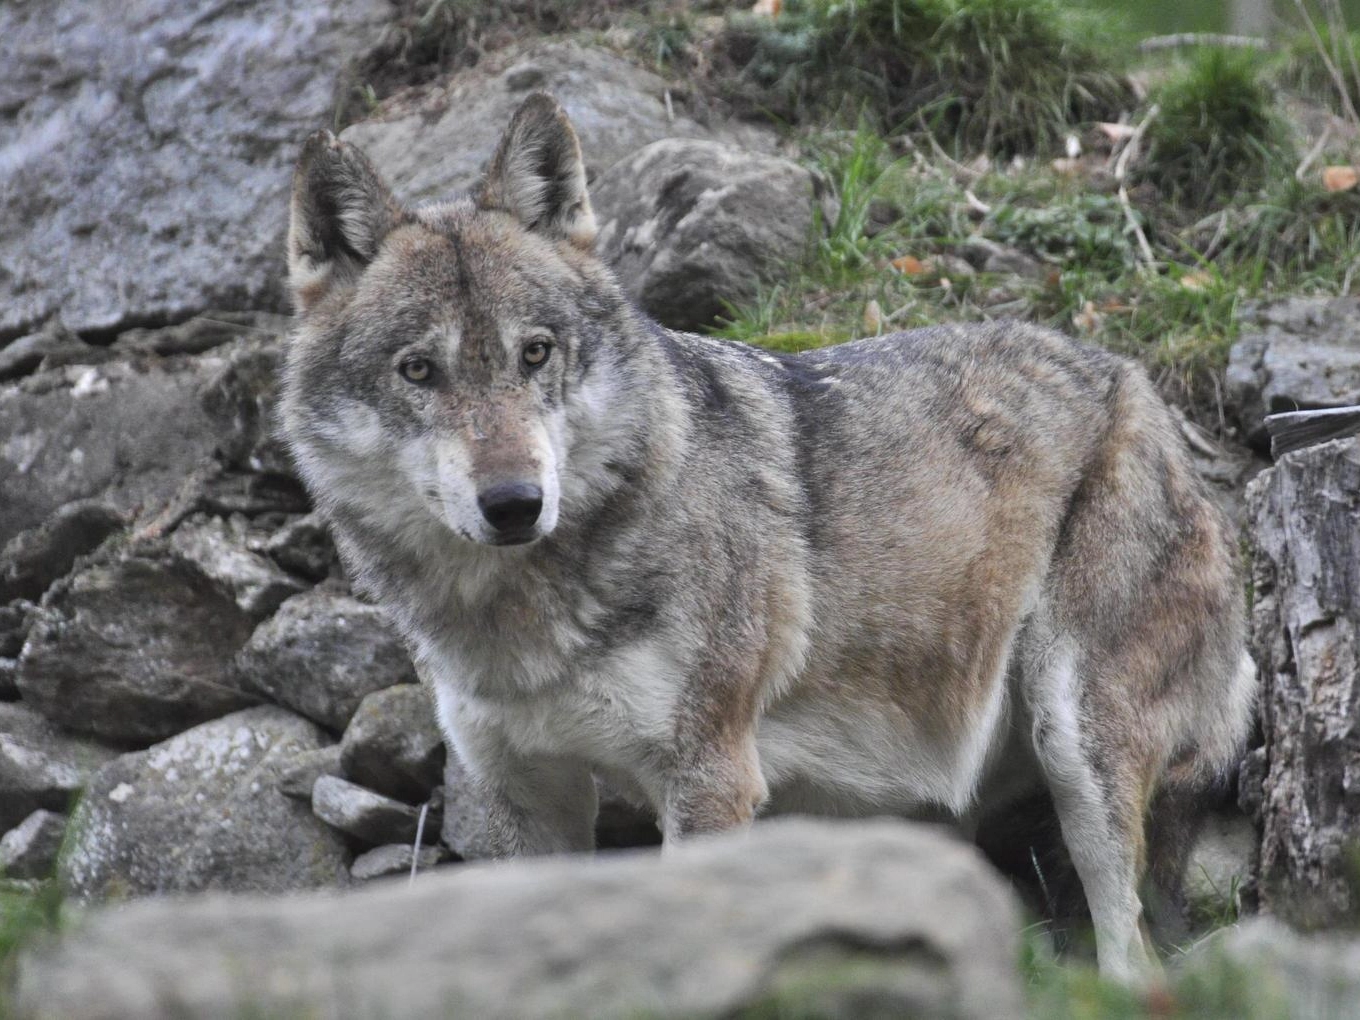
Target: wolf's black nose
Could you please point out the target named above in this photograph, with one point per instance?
(511, 507)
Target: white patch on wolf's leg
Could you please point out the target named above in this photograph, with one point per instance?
(535, 804)
(1103, 861)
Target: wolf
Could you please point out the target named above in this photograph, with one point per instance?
(891, 576)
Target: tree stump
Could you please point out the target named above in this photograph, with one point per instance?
(1306, 640)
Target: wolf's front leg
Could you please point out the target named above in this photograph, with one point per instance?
(539, 805)
(535, 804)
(715, 787)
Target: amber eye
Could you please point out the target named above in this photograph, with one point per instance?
(416, 370)
(536, 353)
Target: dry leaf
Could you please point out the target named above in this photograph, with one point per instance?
(1115, 132)
(1088, 320)
(770, 8)
(910, 265)
(1197, 279)
(1066, 167)
(873, 318)
(1340, 178)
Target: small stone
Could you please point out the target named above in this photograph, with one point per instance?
(393, 859)
(990, 256)
(393, 746)
(369, 817)
(321, 653)
(303, 546)
(299, 774)
(221, 550)
(33, 559)
(14, 619)
(30, 849)
(40, 766)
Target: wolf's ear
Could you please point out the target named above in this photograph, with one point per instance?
(341, 210)
(537, 176)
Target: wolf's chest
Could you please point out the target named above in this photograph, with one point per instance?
(617, 712)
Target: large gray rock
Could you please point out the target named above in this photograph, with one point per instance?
(202, 811)
(1282, 972)
(875, 919)
(40, 766)
(1295, 354)
(433, 141)
(691, 226)
(129, 432)
(393, 745)
(136, 647)
(1306, 639)
(321, 653)
(148, 145)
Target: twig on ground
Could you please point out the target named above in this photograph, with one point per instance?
(1121, 169)
(1313, 153)
(944, 157)
(975, 203)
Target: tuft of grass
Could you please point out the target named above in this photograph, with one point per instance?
(1303, 67)
(1305, 235)
(28, 910)
(1207, 987)
(1218, 133)
(1000, 76)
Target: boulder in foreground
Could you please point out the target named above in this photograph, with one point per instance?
(872, 919)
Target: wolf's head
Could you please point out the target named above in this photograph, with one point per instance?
(443, 352)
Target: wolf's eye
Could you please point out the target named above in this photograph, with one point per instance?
(536, 353)
(415, 370)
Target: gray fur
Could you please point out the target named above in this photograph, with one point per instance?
(871, 578)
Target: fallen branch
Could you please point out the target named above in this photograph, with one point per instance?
(1183, 39)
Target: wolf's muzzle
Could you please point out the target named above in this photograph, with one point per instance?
(512, 510)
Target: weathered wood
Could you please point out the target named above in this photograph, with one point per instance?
(1293, 430)
(1302, 784)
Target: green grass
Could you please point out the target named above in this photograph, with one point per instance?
(1001, 76)
(1207, 987)
(1303, 69)
(1218, 133)
(1178, 317)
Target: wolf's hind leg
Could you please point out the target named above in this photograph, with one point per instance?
(1098, 794)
